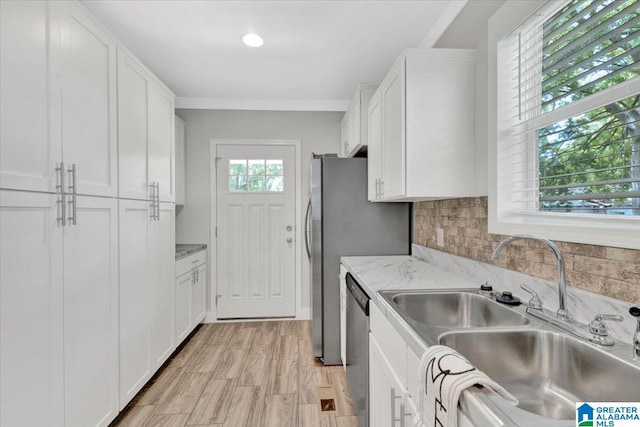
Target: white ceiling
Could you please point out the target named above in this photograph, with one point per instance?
(315, 52)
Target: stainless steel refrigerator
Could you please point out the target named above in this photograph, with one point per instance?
(342, 222)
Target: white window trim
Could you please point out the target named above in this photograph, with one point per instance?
(577, 228)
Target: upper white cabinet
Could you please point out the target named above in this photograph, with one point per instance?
(145, 133)
(181, 160)
(354, 122)
(58, 99)
(421, 128)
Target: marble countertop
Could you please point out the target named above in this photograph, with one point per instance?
(430, 269)
(186, 249)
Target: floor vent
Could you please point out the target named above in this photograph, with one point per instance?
(328, 400)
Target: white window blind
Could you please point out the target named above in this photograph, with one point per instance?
(569, 111)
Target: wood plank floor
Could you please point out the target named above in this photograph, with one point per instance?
(242, 374)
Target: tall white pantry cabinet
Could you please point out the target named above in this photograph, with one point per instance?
(70, 302)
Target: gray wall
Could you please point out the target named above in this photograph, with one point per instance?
(470, 31)
(319, 132)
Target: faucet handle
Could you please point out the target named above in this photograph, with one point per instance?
(597, 326)
(535, 302)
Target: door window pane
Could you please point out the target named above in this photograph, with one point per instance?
(256, 175)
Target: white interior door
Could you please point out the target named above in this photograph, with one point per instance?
(256, 244)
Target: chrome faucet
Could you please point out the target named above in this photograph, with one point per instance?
(562, 312)
(635, 312)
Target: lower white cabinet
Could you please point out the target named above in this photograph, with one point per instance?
(190, 293)
(58, 311)
(31, 311)
(388, 398)
(391, 402)
(147, 254)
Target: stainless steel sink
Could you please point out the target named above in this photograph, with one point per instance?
(547, 371)
(455, 310)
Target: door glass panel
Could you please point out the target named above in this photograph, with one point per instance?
(256, 175)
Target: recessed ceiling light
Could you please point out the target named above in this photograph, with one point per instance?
(252, 40)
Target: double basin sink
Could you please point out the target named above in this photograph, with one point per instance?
(547, 370)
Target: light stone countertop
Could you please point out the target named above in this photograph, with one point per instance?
(431, 269)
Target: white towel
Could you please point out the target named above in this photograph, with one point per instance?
(444, 375)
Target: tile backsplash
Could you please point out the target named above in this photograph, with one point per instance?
(605, 270)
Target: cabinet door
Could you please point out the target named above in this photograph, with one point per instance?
(198, 296)
(88, 66)
(162, 274)
(132, 128)
(91, 313)
(393, 128)
(161, 149)
(374, 150)
(184, 285)
(134, 301)
(385, 391)
(344, 135)
(31, 354)
(29, 138)
(181, 164)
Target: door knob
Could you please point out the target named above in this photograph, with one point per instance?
(289, 240)
(289, 228)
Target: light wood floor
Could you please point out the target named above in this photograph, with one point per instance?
(242, 374)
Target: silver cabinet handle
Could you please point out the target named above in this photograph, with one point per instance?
(381, 188)
(393, 407)
(62, 211)
(72, 175)
(72, 202)
(197, 275)
(403, 414)
(377, 187)
(193, 277)
(154, 207)
(60, 178)
(157, 201)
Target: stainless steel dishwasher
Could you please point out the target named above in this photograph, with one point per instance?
(358, 349)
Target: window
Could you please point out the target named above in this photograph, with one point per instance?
(568, 119)
(256, 175)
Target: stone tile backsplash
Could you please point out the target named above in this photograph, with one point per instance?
(605, 270)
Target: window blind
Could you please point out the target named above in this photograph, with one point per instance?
(569, 95)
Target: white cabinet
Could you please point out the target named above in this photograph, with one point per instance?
(374, 150)
(31, 310)
(181, 162)
(145, 132)
(29, 143)
(146, 285)
(191, 280)
(388, 398)
(424, 112)
(91, 313)
(391, 402)
(354, 122)
(162, 275)
(59, 291)
(58, 92)
(343, 316)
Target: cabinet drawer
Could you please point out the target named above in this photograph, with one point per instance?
(190, 262)
(394, 347)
